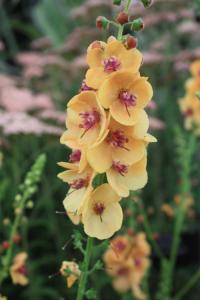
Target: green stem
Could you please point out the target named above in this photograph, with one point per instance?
(84, 273)
(121, 27)
(127, 6)
(180, 217)
(149, 234)
(195, 278)
(8, 257)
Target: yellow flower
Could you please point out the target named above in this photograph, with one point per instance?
(190, 107)
(192, 86)
(102, 216)
(122, 143)
(77, 161)
(195, 69)
(71, 271)
(80, 187)
(127, 260)
(125, 94)
(86, 121)
(105, 59)
(124, 178)
(3, 298)
(18, 269)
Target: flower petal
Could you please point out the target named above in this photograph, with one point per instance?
(95, 77)
(107, 225)
(142, 89)
(136, 150)
(131, 60)
(120, 114)
(99, 157)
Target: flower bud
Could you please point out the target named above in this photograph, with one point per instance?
(5, 245)
(131, 42)
(102, 22)
(96, 45)
(18, 197)
(137, 24)
(147, 3)
(117, 2)
(122, 18)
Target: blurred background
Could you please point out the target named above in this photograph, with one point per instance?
(42, 64)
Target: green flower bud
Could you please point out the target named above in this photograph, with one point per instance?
(147, 3)
(102, 22)
(117, 2)
(137, 24)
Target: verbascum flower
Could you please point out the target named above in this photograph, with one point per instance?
(125, 94)
(102, 215)
(190, 104)
(70, 270)
(107, 130)
(105, 59)
(80, 186)
(124, 178)
(195, 69)
(18, 270)
(122, 143)
(86, 121)
(77, 161)
(127, 261)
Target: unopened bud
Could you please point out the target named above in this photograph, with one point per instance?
(117, 2)
(18, 197)
(122, 18)
(147, 3)
(131, 42)
(137, 24)
(96, 45)
(30, 204)
(102, 22)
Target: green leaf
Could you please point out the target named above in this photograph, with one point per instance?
(98, 180)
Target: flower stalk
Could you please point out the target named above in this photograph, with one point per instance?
(84, 273)
(28, 189)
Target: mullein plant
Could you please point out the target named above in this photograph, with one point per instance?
(107, 130)
(13, 260)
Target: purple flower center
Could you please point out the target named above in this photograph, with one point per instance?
(119, 246)
(79, 183)
(188, 112)
(98, 208)
(85, 87)
(75, 156)
(137, 262)
(117, 139)
(111, 64)
(22, 270)
(120, 168)
(90, 119)
(127, 98)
